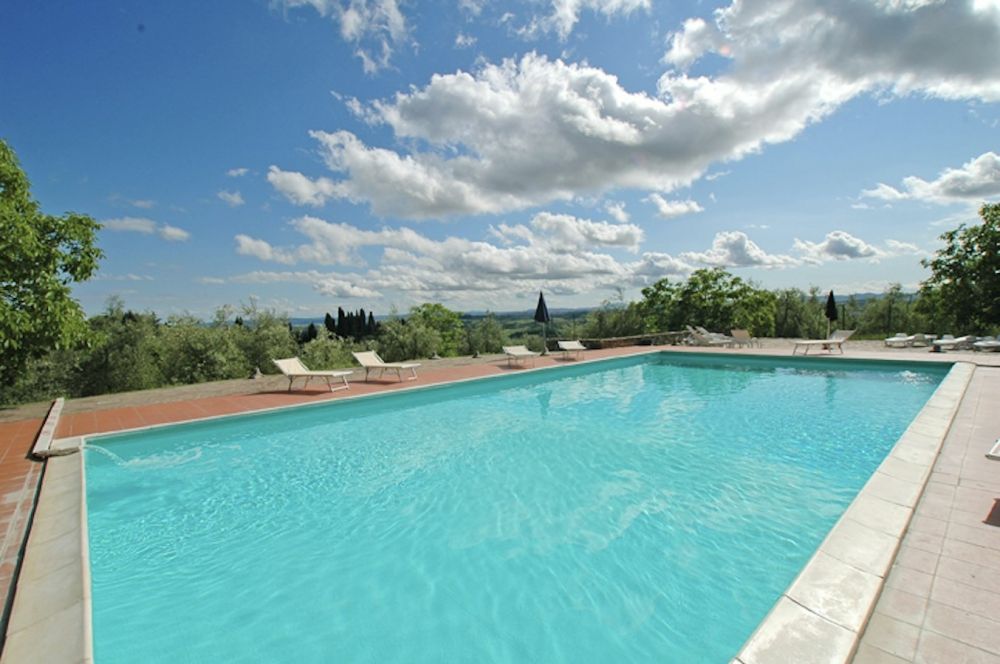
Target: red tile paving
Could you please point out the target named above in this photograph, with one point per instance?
(19, 481)
(118, 419)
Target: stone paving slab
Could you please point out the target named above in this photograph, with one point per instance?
(941, 603)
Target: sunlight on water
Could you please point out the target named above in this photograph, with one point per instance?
(640, 510)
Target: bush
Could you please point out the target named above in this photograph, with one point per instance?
(328, 352)
(402, 340)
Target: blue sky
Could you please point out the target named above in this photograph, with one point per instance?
(312, 154)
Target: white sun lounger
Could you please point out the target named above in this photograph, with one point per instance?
(836, 340)
(370, 360)
(988, 344)
(293, 368)
(702, 337)
(572, 347)
(742, 338)
(519, 354)
(900, 340)
(947, 342)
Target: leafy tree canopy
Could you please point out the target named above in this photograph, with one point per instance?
(42, 256)
(964, 287)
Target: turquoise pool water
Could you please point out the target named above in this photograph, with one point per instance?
(648, 509)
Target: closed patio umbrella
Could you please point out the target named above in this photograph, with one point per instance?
(542, 316)
(831, 312)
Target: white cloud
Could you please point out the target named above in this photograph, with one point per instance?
(145, 226)
(711, 177)
(172, 233)
(568, 232)
(463, 40)
(670, 209)
(524, 133)
(237, 172)
(900, 248)
(144, 204)
(103, 276)
(837, 245)
(735, 249)
(375, 27)
(130, 224)
(617, 211)
(300, 190)
(978, 179)
(248, 246)
(566, 13)
(231, 198)
(327, 283)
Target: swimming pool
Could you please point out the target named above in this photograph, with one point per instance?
(629, 510)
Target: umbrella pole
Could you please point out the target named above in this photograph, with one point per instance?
(545, 344)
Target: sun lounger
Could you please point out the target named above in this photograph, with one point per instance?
(899, 340)
(836, 340)
(293, 368)
(987, 344)
(948, 342)
(519, 354)
(702, 337)
(743, 338)
(571, 347)
(372, 362)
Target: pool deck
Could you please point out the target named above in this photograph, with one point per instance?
(940, 601)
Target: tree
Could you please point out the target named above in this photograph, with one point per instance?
(442, 320)
(964, 285)
(42, 256)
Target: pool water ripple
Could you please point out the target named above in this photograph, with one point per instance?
(636, 511)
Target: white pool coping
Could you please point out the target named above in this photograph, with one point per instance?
(818, 619)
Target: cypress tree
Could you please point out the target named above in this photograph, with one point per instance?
(370, 328)
(341, 323)
(311, 332)
(330, 324)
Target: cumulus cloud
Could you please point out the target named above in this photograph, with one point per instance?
(616, 209)
(837, 245)
(566, 13)
(976, 180)
(557, 252)
(670, 209)
(231, 198)
(327, 283)
(375, 27)
(522, 133)
(300, 190)
(147, 227)
(735, 249)
(237, 172)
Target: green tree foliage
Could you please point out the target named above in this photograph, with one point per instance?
(125, 354)
(328, 352)
(485, 335)
(196, 353)
(712, 298)
(264, 336)
(964, 287)
(403, 340)
(615, 318)
(445, 322)
(42, 256)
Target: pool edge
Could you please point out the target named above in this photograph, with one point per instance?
(788, 616)
(822, 615)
